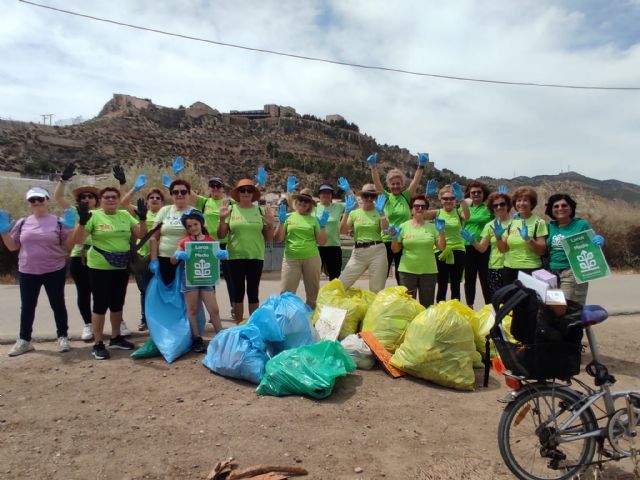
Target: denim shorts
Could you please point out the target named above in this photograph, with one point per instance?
(202, 288)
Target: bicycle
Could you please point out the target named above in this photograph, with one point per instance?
(550, 430)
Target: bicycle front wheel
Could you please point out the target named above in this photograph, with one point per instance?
(532, 443)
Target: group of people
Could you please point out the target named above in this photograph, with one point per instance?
(472, 235)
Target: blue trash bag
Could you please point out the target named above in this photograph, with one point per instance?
(167, 318)
(238, 352)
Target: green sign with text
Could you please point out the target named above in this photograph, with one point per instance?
(202, 267)
(586, 259)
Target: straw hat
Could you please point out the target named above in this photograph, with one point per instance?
(368, 188)
(305, 194)
(86, 189)
(245, 182)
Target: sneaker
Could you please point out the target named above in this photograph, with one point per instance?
(87, 332)
(63, 344)
(124, 330)
(21, 346)
(197, 345)
(99, 352)
(120, 343)
(142, 327)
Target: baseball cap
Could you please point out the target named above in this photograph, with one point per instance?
(214, 180)
(325, 186)
(37, 192)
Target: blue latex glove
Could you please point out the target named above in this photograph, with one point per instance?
(457, 191)
(166, 181)
(261, 177)
(292, 184)
(324, 218)
(154, 266)
(372, 160)
(282, 213)
(423, 158)
(5, 222)
(432, 187)
(503, 189)
(343, 183)
(68, 219)
(498, 229)
(140, 182)
(598, 240)
(393, 231)
(524, 231)
(222, 255)
(516, 216)
(181, 255)
(380, 202)
(467, 235)
(440, 224)
(349, 203)
(178, 165)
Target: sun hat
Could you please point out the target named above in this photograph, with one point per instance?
(369, 188)
(216, 180)
(305, 194)
(37, 192)
(76, 192)
(245, 182)
(326, 186)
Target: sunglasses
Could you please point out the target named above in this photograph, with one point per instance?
(154, 197)
(36, 199)
(448, 199)
(179, 192)
(419, 206)
(303, 200)
(501, 204)
(246, 190)
(561, 205)
(475, 192)
(369, 195)
(110, 197)
(87, 196)
(215, 185)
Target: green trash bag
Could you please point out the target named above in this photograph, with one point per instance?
(309, 370)
(439, 347)
(147, 350)
(389, 314)
(354, 301)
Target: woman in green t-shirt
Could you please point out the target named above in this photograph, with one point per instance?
(302, 233)
(367, 224)
(331, 251)
(417, 239)
(247, 226)
(476, 263)
(561, 208)
(524, 241)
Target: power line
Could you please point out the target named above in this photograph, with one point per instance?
(325, 60)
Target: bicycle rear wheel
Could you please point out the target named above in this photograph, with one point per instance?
(528, 437)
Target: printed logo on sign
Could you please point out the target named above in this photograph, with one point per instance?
(201, 269)
(587, 261)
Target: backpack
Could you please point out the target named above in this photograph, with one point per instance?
(548, 346)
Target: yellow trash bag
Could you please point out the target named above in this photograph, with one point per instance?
(354, 301)
(439, 347)
(389, 315)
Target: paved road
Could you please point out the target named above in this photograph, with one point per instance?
(619, 293)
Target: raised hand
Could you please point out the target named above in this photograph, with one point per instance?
(5, 222)
(282, 213)
(393, 231)
(118, 174)
(372, 160)
(261, 177)
(503, 189)
(166, 181)
(349, 203)
(269, 218)
(140, 182)
(498, 229)
(68, 219)
(141, 209)
(181, 255)
(224, 209)
(83, 213)
(177, 165)
(380, 203)
(222, 255)
(343, 183)
(423, 158)
(432, 187)
(457, 190)
(324, 218)
(598, 240)
(467, 235)
(292, 184)
(524, 231)
(68, 171)
(439, 223)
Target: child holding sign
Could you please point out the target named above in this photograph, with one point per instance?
(194, 223)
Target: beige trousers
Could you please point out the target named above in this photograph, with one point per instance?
(573, 290)
(373, 259)
(308, 270)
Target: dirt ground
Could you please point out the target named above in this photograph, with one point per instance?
(68, 416)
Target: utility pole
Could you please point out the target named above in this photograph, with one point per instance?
(47, 116)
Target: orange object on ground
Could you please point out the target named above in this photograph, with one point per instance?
(381, 354)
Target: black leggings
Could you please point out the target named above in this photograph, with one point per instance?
(30, 285)
(395, 257)
(80, 274)
(248, 271)
(331, 261)
(476, 265)
(510, 275)
(167, 269)
(450, 274)
(224, 266)
(496, 281)
(109, 288)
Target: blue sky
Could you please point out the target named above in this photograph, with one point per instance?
(54, 63)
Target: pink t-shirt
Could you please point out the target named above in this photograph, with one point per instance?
(41, 241)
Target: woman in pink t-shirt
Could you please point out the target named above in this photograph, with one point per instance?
(43, 241)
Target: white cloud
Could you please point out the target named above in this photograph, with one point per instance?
(55, 63)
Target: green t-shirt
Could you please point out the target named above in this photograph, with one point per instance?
(418, 248)
(111, 233)
(519, 254)
(300, 241)
(397, 209)
(171, 231)
(151, 219)
(210, 207)
(480, 216)
(333, 225)
(245, 240)
(452, 227)
(557, 258)
(366, 225)
(496, 257)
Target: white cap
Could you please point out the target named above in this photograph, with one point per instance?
(37, 192)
